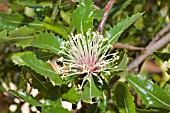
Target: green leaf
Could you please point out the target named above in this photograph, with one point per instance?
(93, 89)
(118, 8)
(33, 4)
(56, 9)
(72, 95)
(55, 27)
(2, 89)
(151, 111)
(98, 14)
(123, 64)
(52, 44)
(44, 55)
(26, 97)
(3, 36)
(151, 94)
(41, 67)
(65, 16)
(16, 58)
(35, 80)
(84, 15)
(167, 88)
(90, 91)
(45, 88)
(124, 99)
(85, 96)
(114, 33)
(164, 56)
(54, 107)
(103, 102)
(13, 21)
(22, 36)
(168, 71)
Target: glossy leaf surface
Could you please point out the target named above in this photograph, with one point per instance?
(53, 107)
(151, 94)
(26, 97)
(22, 36)
(124, 99)
(34, 4)
(47, 41)
(84, 15)
(72, 95)
(55, 27)
(13, 21)
(16, 58)
(41, 67)
(114, 33)
(122, 65)
(90, 91)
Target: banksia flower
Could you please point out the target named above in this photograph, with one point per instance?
(87, 54)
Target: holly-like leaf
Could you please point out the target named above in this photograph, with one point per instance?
(124, 99)
(34, 4)
(56, 9)
(41, 67)
(26, 97)
(119, 7)
(22, 36)
(22, 33)
(151, 94)
(43, 85)
(31, 3)
(13, 21)
(3, 36)
(98, 14)
(55, 27)
(93, 89)
(164, 56)
(72, 95)
(16, 58)
(167, 88)
(44, 55)
(65, 16)
(35, 80)
(47, 41)
(123, 64)
(114, 33)
(53, 107)
(103, 103)
(83, 16)
(85, 96)
(90, 91)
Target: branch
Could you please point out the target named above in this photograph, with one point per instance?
(160, 34)
(128, 47)
(154, 45)
(105, 15)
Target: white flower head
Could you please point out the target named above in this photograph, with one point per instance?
(87, 54)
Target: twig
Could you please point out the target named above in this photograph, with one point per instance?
(105, 15)
(128, 47)
(153, 46)
(160, 34)
(96, 7)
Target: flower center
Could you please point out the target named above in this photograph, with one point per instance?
(85, 54)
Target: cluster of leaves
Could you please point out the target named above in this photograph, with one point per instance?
(41, 29)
